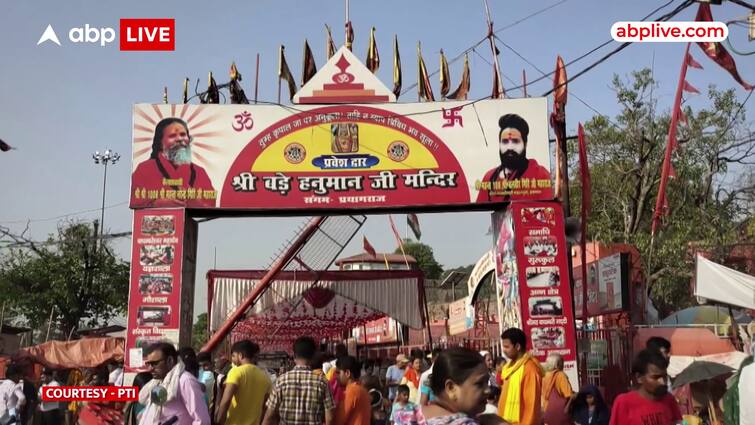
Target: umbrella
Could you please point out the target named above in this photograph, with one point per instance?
(704, 315)
(700, 371)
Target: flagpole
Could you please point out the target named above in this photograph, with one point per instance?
(493, 50)
(257, 81)
(280, 69)
(419, 49)
(665, 170)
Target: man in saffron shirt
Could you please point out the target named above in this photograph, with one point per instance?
(522, 380)
(168, 178)
(650, 403)
(356, 408)
(512, 145)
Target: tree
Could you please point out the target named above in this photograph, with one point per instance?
(424, 256)
(199, 333)
(707, 199)
(80, 281)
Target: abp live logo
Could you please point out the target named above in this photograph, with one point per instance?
(135, 35)
(148, 34)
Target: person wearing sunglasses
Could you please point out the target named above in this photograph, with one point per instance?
(185, 399)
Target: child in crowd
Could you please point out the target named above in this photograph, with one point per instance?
(404, 412)
(492, 402)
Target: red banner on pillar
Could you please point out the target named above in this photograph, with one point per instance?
(545, 291)
(154, 303)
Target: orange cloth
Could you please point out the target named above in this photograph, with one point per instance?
(531, 388)
(412, 376)
(355, 408)
(555, 379)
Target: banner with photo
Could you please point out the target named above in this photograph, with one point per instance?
(155, 293)
(340, 157)
(540, 248)
(607, 285)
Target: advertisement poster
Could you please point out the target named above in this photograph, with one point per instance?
(607, 286)
(460, 316)
(506, 270)
(343, 156)
(155, 288)
(378, 331)
(544, 286)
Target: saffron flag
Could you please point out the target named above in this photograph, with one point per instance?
(461, 92)
(186, 90)
(330, 47)
(4, 146)
(560, 92)
(716, 51)
(423, 85)
(213, 94)
(285, 73)
(308, 69)
(373, 57)
(396, 68)
(445, 77)
(368, 248)
(413, 222)
(349, 35)
(237, 93)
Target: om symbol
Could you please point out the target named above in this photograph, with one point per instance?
(243, 121)
(343, 78)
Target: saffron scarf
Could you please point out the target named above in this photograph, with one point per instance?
(514, 373)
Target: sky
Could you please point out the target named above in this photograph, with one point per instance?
(58, 105)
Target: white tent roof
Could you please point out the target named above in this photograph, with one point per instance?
(721, 284)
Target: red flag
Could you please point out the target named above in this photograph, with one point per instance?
(368, 248)
(716, 51)
(584, 173)
(4, 146)
(667, 171)
(689, 88)
(308, 69)
(693, 63)
(398, 238)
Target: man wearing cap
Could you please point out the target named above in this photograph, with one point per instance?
(512, 149)
(395, 374)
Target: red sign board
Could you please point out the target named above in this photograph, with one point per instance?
(545, 291)
(378, 331)
(155, 290)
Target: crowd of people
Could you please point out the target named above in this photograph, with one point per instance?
(455, 386)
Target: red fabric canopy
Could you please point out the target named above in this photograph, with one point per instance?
(317, 304)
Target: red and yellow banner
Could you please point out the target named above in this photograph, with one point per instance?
(263, 157)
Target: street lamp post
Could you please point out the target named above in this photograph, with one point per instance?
(104, 158)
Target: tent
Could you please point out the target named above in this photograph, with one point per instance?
(87, 352)
(319, 304)
(721, 284)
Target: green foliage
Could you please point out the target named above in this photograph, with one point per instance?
(424, 256)
(706, 199)
(81, 282)
(199, 333)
